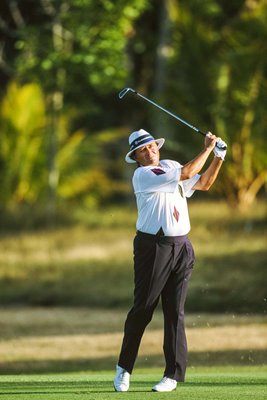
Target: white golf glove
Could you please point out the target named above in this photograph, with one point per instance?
(220, 153)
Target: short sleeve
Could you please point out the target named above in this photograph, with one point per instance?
(188, 184)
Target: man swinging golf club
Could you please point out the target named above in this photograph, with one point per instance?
(163, 254)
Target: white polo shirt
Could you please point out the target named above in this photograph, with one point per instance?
(161, 198)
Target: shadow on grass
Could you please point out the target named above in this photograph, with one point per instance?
(78, 387)
(57, 387)
(196, 359)
(241, 286)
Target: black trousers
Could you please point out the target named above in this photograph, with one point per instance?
(162, 268)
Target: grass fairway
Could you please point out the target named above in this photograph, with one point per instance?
(50, 351)
(223, 383)
(58, 353)
(74, 265)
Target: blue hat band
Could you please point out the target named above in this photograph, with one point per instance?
(140, 141)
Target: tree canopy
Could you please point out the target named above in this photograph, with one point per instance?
(64, 132)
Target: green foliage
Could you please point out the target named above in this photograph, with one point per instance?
(80, 48)
(22, 146)
(24, 153)
(240, 110)
(73, 49)
(221, 44)
(199, 59)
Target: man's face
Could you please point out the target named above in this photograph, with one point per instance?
(147, 155)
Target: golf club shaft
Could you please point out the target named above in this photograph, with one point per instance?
(126, 90)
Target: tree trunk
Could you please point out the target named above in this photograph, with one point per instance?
(161, 66)
(60, 42)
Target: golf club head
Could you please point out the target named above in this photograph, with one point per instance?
(125, 91)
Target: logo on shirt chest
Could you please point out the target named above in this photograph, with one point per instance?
(158, 171)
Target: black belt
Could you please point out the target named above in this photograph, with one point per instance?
(160, 236)
(160, 233)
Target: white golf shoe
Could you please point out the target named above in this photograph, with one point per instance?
(121, 380)
(165, 385)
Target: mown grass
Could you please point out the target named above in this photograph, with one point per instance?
(71, 352)
(53, 340)
(211, 384)
(90, 263)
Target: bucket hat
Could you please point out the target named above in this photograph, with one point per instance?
(139, 139)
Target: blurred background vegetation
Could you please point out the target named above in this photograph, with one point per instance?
(64, 134)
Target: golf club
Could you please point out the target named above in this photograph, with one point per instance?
(124, 91)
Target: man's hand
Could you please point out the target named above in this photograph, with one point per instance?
(210, 141)
(220, 153)
(194, 166)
